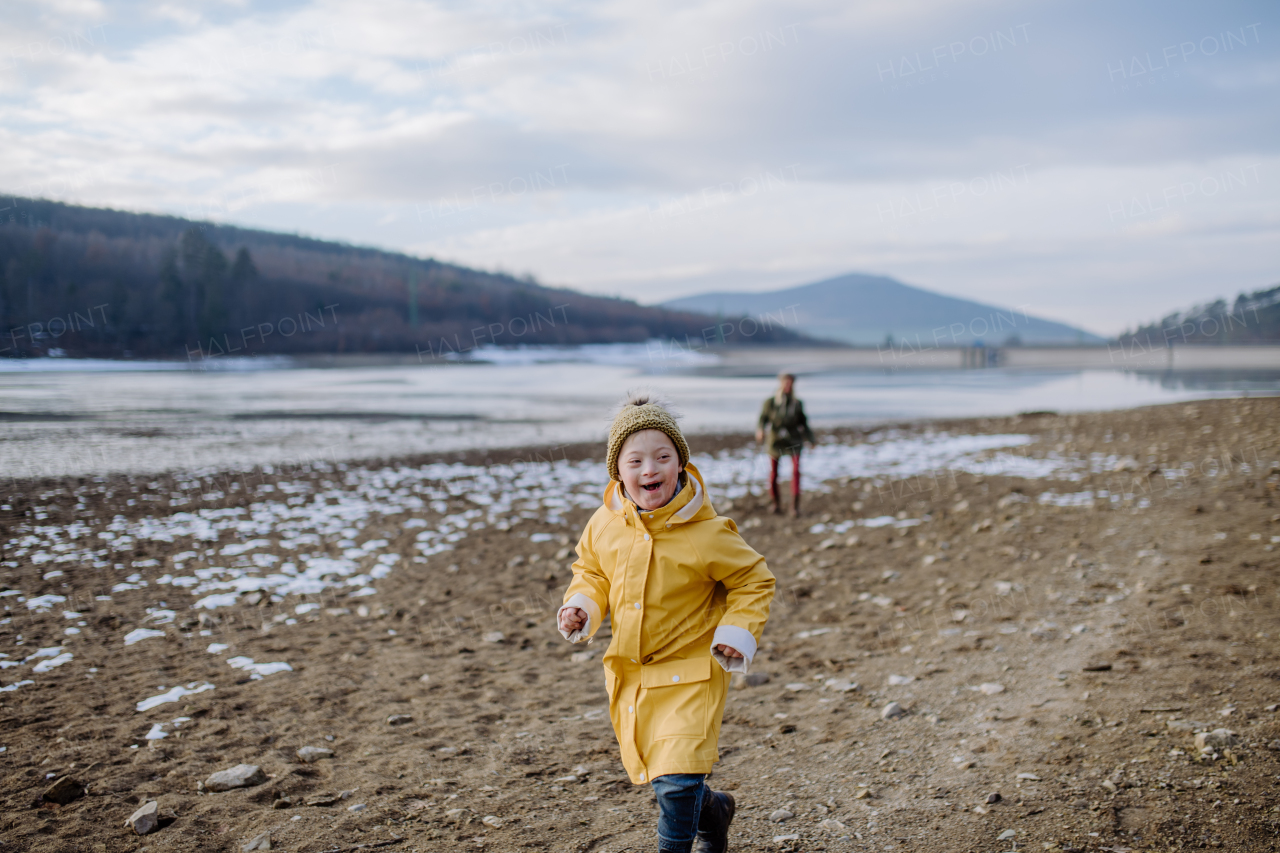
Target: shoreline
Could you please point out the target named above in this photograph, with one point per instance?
(702, 442)
(72, 424)
(727, 360)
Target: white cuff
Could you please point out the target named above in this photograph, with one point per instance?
(582, 602)
(736, 638)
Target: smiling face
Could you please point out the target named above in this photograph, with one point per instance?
(649, 467)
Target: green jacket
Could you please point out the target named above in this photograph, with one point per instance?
(788, 427)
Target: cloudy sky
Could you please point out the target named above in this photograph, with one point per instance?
(1099, 162)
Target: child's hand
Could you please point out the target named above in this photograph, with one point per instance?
(572, 619)
(728, 651)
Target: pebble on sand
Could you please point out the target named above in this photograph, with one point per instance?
(990, 688)
(779, 815)
(831, 824)
(840, 685)
(322, 800)
(399, 719)
(892, 711)
(312, 754)
(1217, 739)
(492, 820)
(146, 819)
(240, 776)
(63, 791)
(258, 842)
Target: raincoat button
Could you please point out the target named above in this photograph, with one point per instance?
(633, 660)
(631, 709)
(646, 537)
(675, 678)
(637, 608)
(641, 777)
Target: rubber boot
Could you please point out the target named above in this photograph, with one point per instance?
(713, 824)
(795, 506)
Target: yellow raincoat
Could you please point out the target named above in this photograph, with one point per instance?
(677, 580)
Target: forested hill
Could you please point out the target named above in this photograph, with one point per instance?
(91, 282)
(1253, 318)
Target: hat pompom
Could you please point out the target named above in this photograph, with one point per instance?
(644, 397)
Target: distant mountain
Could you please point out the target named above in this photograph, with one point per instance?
(91, 282)
(1253, 318)
(866, 310)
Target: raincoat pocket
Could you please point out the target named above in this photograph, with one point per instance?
(677, 697)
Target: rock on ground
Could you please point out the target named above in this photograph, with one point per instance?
(240, 776)
(259, 842)
(146, 819)
(312, 754)
(63, 791)
(1217, 739)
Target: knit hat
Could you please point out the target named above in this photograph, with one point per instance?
(641, 410)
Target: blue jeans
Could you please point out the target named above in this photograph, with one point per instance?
(679, 806)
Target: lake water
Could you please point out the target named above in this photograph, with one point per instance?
(61, 417)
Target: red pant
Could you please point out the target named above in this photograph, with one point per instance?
(773, 476)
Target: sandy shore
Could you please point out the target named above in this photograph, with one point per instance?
(1058, 603)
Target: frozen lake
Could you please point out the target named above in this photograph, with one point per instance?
(60, 417)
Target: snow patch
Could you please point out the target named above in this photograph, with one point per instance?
(139, 634)
(173, 695)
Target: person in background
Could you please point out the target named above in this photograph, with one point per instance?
(783, 414)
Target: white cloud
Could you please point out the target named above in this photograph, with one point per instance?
(426, 127)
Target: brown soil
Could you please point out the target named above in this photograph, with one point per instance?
(1174, 585)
